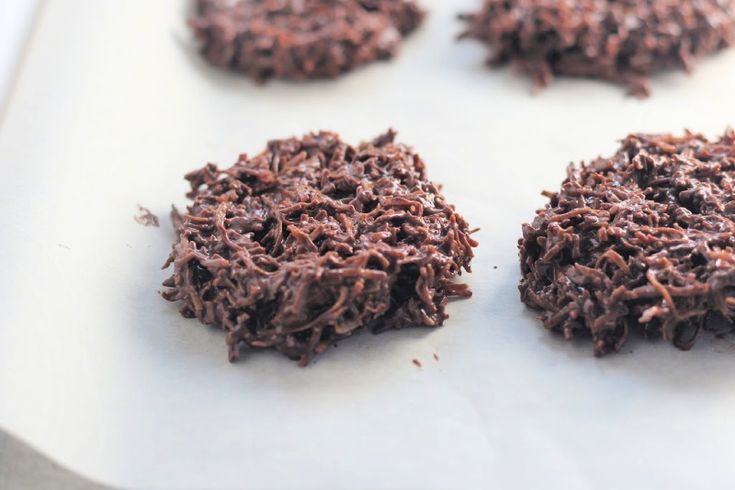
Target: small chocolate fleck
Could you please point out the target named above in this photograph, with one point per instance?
(416, 362)
(145, 217)
(436, 356)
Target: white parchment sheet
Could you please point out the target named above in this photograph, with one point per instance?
(113, 107)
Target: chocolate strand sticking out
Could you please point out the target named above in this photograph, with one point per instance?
(640, 242)
(623, 41)
(313, 239)
(302, 39)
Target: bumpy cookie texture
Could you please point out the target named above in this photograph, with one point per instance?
(301, 39)
(642, 241)
(314, 239)
(623, 41)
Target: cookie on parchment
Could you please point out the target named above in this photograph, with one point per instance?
(623, 41)
(641, 242)
(314, 239)
(301, 39)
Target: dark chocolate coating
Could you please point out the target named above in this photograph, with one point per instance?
(301, 39)
(640, 242)
(314, 239)
(623, 41)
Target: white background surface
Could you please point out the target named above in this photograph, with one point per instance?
(16, 18)
(96, 370)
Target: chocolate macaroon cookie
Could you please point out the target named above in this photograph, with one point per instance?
(642, 242)
(314, 239)
(623, 41)
(301, 39)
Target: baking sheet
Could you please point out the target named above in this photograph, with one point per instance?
(97, 371)
(16, 18)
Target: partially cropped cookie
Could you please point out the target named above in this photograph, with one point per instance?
(314, 239)
(301, 39)
(641, 242)
(623, 41)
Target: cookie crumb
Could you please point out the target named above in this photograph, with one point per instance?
(145, 217)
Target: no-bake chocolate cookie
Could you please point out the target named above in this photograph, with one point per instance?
(313, 239)
(639, 242)
(623, 41)
(301, 39)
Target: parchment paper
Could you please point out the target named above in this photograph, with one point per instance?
(114, 105)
